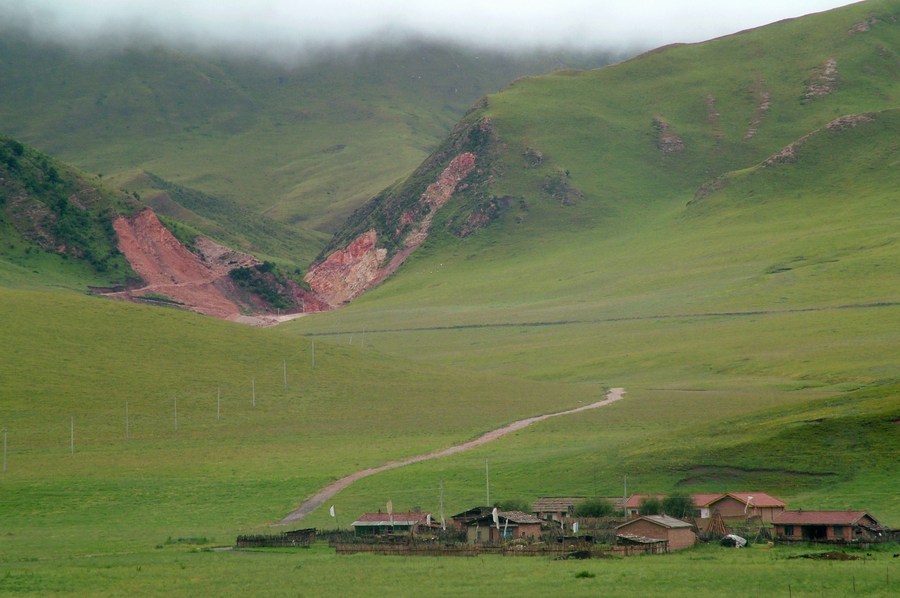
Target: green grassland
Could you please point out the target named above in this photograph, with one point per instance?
(754, 327)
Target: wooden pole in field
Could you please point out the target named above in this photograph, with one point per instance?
(4, 450)
(72, 435)
(253, 387)
(314, 354)
(126, 420)
(284, 364)
(487, 482)
(176, 412)
(218, 403)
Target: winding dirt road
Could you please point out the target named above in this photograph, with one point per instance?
(332, 489)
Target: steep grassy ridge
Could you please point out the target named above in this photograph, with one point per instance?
(56, 222)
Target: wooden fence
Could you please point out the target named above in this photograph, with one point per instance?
(474, 550)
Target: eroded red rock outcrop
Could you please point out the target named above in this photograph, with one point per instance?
(347, 273)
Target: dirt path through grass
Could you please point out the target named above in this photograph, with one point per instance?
(332, 489)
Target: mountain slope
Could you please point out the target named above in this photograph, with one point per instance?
(56, 221)
(302, 144)
(711, 226)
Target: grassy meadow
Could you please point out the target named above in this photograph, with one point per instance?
(754, 326)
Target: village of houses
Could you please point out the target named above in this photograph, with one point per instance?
(637, 526)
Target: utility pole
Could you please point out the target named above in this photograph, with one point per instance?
(443, 525)
(487, 482)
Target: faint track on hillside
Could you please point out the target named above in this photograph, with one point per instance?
(332, 489)
(684, 316)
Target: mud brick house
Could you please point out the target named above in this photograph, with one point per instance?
(840, 527)
(743, 505)
(677, 533)
(510, 525)
(556, 508)
(461, 520)
(384, 524)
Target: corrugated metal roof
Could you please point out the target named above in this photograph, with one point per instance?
(373, 519)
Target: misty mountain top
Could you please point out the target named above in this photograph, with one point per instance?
(287, 30)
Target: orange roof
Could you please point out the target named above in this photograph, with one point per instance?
(634, 501)
(753, 499)
(701, 500)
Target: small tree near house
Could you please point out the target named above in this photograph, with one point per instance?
(679, 506)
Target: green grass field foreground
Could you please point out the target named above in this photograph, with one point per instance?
(178, 569)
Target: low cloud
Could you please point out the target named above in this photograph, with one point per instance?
(291, 27)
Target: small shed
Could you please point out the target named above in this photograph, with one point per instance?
(840, 527)
(556, 508)
(679, 534)
(385, 524)
(510, 525)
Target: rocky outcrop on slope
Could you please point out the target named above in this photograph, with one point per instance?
(381, 235)
(205, 281)
(348, 272)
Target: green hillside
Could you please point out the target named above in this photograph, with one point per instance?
(297, 146)
(713, 227)
(56, 223)
(650, 243)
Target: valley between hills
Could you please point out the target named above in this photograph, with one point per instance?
(484, 246)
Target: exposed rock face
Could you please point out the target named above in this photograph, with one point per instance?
(822, 82)
(666, 140)
(437, 195)
(761, 110)
(169, 269)
(789, 153)
(346, 273)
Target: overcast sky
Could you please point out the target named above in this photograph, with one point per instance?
(279, 26)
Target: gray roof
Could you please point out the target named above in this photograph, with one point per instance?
(660, 520)
(549, 504)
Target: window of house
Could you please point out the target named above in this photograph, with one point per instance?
(788, 530)
(838, 530)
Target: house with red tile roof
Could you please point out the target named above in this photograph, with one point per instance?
(828, 526)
